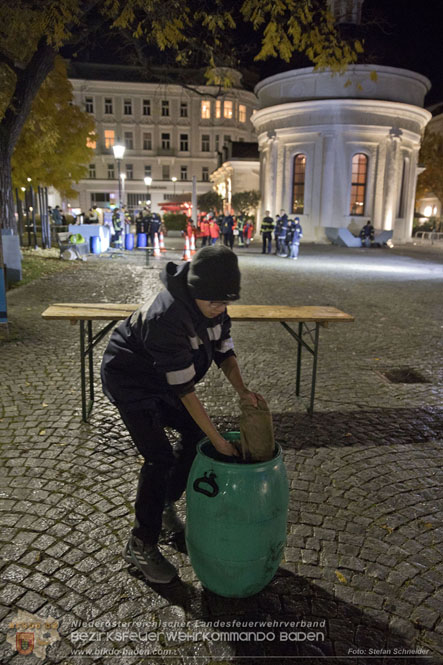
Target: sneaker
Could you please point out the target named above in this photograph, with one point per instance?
(149, 560)
(171, 521)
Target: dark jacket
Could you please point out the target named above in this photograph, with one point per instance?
(228, 224)
(161, 351)
(267, 225)
(295, 232)
(282, 227)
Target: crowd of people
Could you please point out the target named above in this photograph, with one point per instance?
(224, 229)
(227, 229)
(281, 235)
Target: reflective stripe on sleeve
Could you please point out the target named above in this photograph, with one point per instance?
(180, 375)
(225, 345)
(215, 332)
(195, 342)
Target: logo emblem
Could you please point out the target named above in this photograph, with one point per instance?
(24, 643)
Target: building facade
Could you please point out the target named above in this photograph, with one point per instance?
(238, 171)
(338, 150)
(171, 133)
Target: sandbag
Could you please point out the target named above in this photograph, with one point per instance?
(256, 432)
(68, 255)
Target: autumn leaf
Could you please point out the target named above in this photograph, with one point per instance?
(341, 578)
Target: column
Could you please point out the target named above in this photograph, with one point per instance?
(327, 177)
(391, 179)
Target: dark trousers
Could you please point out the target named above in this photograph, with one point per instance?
(165, 471)
(228, 239)
(267, 242)
(205, 241)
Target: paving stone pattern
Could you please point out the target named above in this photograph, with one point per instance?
(364, 549)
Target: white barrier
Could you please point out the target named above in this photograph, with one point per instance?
(428, 237)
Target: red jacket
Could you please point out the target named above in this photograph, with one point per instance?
(249, 228)
(204, 228)
(214, 229)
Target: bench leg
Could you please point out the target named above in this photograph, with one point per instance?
(91, 367)
(299, 348)
(82, 370)
(314, 369)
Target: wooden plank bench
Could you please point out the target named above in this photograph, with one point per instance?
(87, 313)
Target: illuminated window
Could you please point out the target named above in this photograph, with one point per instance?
(205, 143)
(108, 105)
(147, 141)
(109, 138)
(92, 172)
(242, 113)
(146, 107)
(358, 184)
(205, 109)
(227, 110)
(90, 141)
(89, 105)
(127, 107)
(218, 108)
(129, 140)
(298, 191)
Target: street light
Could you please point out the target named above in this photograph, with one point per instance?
(148, 183)
(174, 180)
(119, 151)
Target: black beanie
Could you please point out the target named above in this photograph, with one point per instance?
(214, 274)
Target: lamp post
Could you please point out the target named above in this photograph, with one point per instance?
(148, 183)
(174, 180)
(123, 178)
(119, 150)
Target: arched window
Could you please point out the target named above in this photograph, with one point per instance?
(358, 184)
(298, 191)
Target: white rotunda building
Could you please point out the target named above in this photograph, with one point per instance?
(337, 150)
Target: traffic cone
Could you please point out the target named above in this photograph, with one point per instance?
(192, 245)
(162, 242)
(186, 251)
(156, 247)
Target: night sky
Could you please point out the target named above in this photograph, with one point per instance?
(408, 34)
(397, 33)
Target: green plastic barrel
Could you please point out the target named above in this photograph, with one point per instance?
(236, 520)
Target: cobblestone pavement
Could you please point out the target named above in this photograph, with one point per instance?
(364, 550)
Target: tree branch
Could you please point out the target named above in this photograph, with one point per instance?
(27, 86)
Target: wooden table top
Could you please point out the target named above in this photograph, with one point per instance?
(117, 311)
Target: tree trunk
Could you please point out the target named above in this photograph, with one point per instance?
(28, 82)
(7, 217)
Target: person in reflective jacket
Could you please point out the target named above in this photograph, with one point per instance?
(150, 368)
